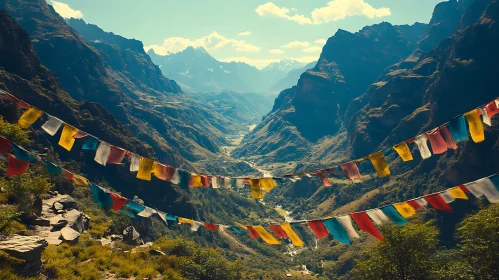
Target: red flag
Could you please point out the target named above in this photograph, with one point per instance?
(365, 224)
(438, 202)
(69, 175)
(253, 233)
(205, 180)
(170, 171)
(491, 109)
(211, 227)
(4, 145)
(351, 170)
(464, 189)
(447, 135)
(16, 166)
(278, 231)
(414, 204)
(325, 179)
(318, 228)
(438, 144)
(118, 201)
(117, 155)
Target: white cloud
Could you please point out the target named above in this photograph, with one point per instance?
(340, 9)
(335, 10)
(313, 49)
(321, 41)
(261, 63)
(276, 51)
(296, 44)
(212, 42)
(65, 11)
(245, 33)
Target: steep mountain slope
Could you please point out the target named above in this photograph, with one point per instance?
(313, 108)
(291, 78)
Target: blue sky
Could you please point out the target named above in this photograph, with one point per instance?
(253, 31)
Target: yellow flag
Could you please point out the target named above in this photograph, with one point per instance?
(185, 221)
(256, 188)
(196, 181)
(145, 169)
(476, 126)
(379, 164)
(80, 181)
(268, 183)
(403, 151)
(292, 235)
(266, 236)
(29, 117)
(457, 192)
(67, 139)
(405, 209)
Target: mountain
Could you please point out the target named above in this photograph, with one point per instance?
(313, 108)
(276, 71)
(291, 78)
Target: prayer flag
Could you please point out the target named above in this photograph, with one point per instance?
(236, 229)
(67, 139)
(116, 155)
(325, 179)
(404, 152)
(52, 169)
(29, 117)
(278, 231)
(214, 182)
(268, 184)
(253, 233)
(102, 153)
(135, 162)
(69, 175)
(16, 166)
(4, 145)
(377, 216)
(195, 226)
(205, 180)
(485, 187)
(211, 227)
(421, 142)
(418, 203)
(160, 171)
(227, 183)
(475, 125)
(447, 197)
(458, 129)
(485, 117)
(21, 104)
(52, 125)
(196, 181)
(118, 201)
(90, 143)
(185, 221)
(394, 215)
(346, 223)
(266, 236)
(379, 164)
(437, 202)
(437, 142)
(170, 172)
(145, 169)
(256, 188)
(365, 224)
(351, 170)
(457, 192)
(405, 209)
(80, 134)
(447, 135)
(240, 183)
(147, 212)
(318, 228)
(80, 181)
(492, 109)
(292, 235)
(21, 154)
(337, 230)
(184, 179)
(101, 196)
(135, 206)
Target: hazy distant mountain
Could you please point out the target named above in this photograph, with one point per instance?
(291, 78)
(197, 71)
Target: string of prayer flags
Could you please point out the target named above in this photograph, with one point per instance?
(437, 202)
(118, 201)
(116, 155)
(52, 125)
(458, 129)
(365, 224)
(447, 135)
(337, 230)
(266, 236)
(485, 187)
(102, 153)
(422, 143)
(476, 127)
(67, 141)
(29, 117)
(16, 166)
(292, 235)
(351, 170)
(458, 193)
(5, 145)
(278, 231)
(318, 228)
(253, 233)
(145, 169)
(394, 215)
(437, 142)
(403, 151)
(377, 216)
(379, 163)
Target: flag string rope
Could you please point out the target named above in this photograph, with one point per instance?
(110, 154)
(340, 227)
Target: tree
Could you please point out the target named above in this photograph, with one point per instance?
(406, 253)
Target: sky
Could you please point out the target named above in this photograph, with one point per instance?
(257, 32)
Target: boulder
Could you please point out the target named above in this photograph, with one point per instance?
(77, 220)
(58, 221)
(115, 237)
(54, 238)
(105, 241)
(57, 206)
(69, 234)
(41, 222)
(67, 202)
(131, 236)
(28, 248)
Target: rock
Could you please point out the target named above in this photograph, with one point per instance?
(41, 222)
(57, 206)
(28, 248)
(105, 241)
(131, 236)
(115, 237)
(155, 252)
(58, 221)
(60, 212)
(54, 238)
(69, 234)
(67, 202)
(77, 220)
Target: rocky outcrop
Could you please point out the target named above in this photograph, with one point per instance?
(70, 235)
(131, 236)
(27, 248)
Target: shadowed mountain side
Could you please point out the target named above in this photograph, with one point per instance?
(291, 78)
